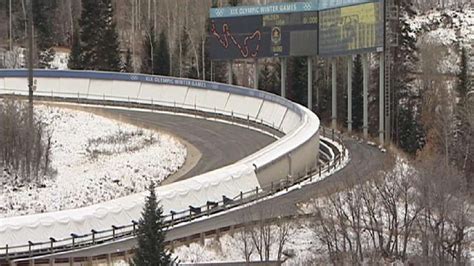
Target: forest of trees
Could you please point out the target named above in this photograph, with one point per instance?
(433, 119)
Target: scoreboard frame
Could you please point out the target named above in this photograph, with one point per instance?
(283, 30)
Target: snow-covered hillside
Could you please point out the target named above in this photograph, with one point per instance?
(452, 29)
(96, 160)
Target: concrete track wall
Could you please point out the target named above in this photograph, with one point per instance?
(292, 155)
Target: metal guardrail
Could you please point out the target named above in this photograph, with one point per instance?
(114, 233)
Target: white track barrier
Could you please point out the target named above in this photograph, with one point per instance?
(292, 155)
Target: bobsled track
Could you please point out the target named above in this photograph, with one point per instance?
(254, 147)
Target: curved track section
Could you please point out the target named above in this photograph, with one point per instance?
(291, 156)
(219, 144)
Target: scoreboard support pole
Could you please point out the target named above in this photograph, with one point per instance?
(365, 71)
(349, 93)
(283, 63)
(310, 83)
(381, 98)
(334, 94)
(229, 72)
(256, 75)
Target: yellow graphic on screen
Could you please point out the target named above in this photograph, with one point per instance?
(358, 22)
(350, 28)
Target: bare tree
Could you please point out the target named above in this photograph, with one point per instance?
(14, 153)
(244, 241)
(445, 216)
(284, 231)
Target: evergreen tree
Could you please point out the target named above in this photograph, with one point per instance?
(408, 131)
(464, 128)
(127, 65)
(235, 2)
(357, 94)
(269, 79)
(150, 54)
(44, 31)
(297, 80)
(92, 31)
(75, 61)
(463, 85)
(411, 134)
(151, 235)
(108, 46)
(163, 56)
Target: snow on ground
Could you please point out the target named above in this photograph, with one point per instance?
(96, 159)
(449, 28)
(302, 245)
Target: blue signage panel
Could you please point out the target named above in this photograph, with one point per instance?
(275, 8)
(280, 8)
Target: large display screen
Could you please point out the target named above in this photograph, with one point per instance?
(351, 29)
(291, 34)
(296, 29)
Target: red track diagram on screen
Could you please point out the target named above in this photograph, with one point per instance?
(244, 49)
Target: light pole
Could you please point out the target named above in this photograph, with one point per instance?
(30, 59)
(10, 23)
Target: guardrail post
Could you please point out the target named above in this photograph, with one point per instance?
(93, 236)
(271, 188)
(73, 239)
(224, 203)
(287, 182)
(30, 244)
(6, 251)
(52, 241)
(248, 121)
(232, 116)
(256, 192)
(319, 170)
(241, 196)
(113, 231)
(134, 232)
(172, 217)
